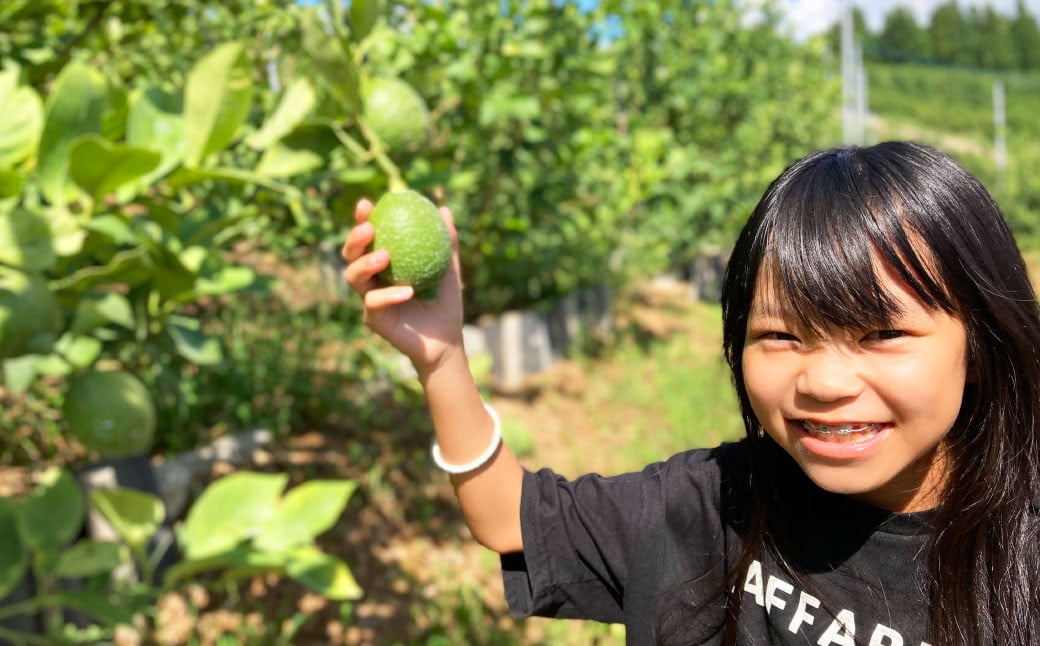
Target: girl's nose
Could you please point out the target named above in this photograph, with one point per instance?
(828, 374)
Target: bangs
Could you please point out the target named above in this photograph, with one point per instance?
(827, 238)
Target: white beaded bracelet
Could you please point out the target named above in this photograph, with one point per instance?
(480, 460)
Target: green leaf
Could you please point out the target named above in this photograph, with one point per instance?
(243, 556)
(305, 512)
(89, 557)
(11, 183)
(192, 258)
(22, 123)
(100, 606)
(19, 373)
(114, 227)
(216, 102)
(363, 16)
(333, 62)
(306, 148)
(78, 351)
(52, 514)
(155, 121)
(100, 166)
(127, 266)
(293, 108)
(26, 241)
(67, 231)
(226, 281)
(280, 161)
(322, 573)
(96, 311)
(229, 511)
(52, 365)
(195, 346)
(13, 556)
(74, 107)
(525, 49)
(135, 515)
(113, 120)
(184, 177)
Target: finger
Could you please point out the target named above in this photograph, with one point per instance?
(362, 210)
(361, 274)
(450, 221)
(381, 299)
(357, 241)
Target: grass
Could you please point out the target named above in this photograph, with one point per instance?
(651, 399)
(682, 390)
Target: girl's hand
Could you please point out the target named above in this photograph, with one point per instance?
(424, 331)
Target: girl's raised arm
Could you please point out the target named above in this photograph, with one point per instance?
(430, 335)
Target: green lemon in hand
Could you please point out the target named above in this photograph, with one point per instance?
(412, 231)
(110, 412)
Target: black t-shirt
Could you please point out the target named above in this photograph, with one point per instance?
(634, 548)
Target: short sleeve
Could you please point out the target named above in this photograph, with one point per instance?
(578, 536)
(630, 548)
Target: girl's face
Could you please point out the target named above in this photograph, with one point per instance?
(863, 413)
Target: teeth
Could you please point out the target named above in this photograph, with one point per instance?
(841, 429)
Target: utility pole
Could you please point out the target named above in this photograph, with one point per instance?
(855, 109)
(999, 133)
(862, 107)
(848, 76)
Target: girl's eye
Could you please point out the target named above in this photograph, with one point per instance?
(778, 336)
(884, 335)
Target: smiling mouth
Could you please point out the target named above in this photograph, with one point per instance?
(842, 433)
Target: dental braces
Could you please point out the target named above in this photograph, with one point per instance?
(844, 429)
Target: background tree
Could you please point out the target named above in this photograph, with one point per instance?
(1025, 37)
(996, 46)
(948, 33)
(901, 38)
(977, 37)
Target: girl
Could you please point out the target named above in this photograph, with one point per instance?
(885, 347)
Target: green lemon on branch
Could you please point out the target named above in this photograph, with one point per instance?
(413, 232)
(110, 412)
(396, 113)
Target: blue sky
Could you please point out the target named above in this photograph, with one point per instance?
(807, 17)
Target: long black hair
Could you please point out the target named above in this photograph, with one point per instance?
(819, 228)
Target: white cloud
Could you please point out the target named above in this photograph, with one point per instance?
(808, 17)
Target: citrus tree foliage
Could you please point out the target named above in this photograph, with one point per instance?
(578, 145)
(716, 108)
(143, 137)
(120, 199)
(243, 524)
(135, 40)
